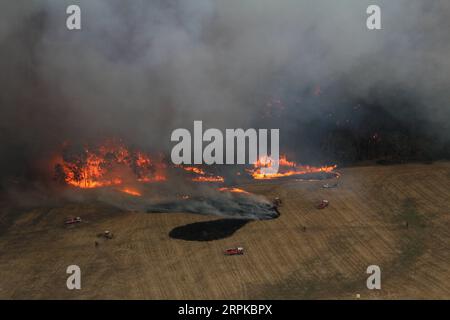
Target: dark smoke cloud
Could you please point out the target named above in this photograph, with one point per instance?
(139, 69)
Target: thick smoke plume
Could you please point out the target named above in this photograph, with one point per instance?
(139, 69)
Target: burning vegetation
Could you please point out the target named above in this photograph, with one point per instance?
(202, 175)
(110, 164)
(149, 182)
(113, 164)
(286, 168)
(233, 190)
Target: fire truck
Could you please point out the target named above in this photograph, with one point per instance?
(323, 204)
(72, 220)
(234, 251)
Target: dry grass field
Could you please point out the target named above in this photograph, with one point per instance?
(397, 217)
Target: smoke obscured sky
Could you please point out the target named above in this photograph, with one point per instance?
(139, 69)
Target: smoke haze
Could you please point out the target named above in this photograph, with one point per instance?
(139, 69)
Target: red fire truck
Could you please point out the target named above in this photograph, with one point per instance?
(323, 204)
(234, 251)
(72, 220)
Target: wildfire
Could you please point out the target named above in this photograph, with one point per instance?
(110, 164)
(286, 168)
(113, 164)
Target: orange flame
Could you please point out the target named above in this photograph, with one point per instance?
(208, 179)
(233, 190)
(203, 176)
(131, 191)
(286, 168)
(195, 170)
(108, 165)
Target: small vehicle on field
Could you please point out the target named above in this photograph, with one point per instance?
(234, 251)
(323, 204)
(106, 234)
(72, 220)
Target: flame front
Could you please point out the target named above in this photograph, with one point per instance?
(131, 191)
(286, 168)
(111, 164)
(202, 176)
(233, 190)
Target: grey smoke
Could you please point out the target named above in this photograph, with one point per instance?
(139, 69)
(240, 206)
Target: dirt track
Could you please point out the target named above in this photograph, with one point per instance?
(365, 224)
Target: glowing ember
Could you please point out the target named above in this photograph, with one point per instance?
(233, 190)
(108, 165)
(203, 176)
(208, 179)
(131, 191)
(286, 168)
(195, 170)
